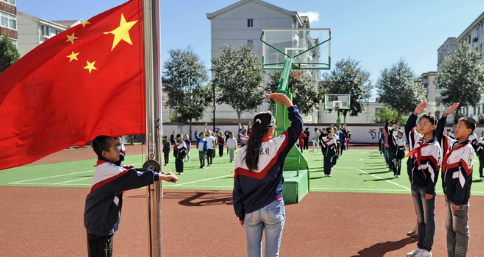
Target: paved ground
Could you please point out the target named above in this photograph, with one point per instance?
(48, 222)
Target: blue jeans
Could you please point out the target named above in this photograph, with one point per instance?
(271, 219)
(457, 226)
(425, 210)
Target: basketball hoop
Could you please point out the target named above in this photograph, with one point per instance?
(337, 104)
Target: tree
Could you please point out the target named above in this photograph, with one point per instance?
(184, 80)
(383, 115)
(8, 53)
(238, 79)
(304, 90)
(348, 77)
(397, 88)
(461, 77)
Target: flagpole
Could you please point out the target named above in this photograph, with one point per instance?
(153, 116)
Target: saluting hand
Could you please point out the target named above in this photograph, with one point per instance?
(451, 109)
(420, 108)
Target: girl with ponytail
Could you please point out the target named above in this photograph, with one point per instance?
(257, 195)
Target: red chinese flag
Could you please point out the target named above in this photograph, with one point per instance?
(84, 82)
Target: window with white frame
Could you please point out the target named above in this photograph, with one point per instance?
(250, 42)
(12, 2)
(250, 23)
(8, 21)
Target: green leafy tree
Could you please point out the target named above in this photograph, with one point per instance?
(461, 77)
(184, 80)
(304, 90)
(238, 79)
(397, 88)
(8, 53)
(347, 77)
(383, 115)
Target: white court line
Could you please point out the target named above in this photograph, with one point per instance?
(68, 181)
(55, 176)
(391, 182)
(359, 189)
(196, 181)
(23, 182)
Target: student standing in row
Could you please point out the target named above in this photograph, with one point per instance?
(221, 143)
(457, 170)
(316, 135)
(166, 150)
(201, 147)
(257, 195)
(231, 146)
(188, 144)
(330, 147)
(180, 152)
(211, 147)
(424, 164)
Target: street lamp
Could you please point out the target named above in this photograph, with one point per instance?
(213, 106)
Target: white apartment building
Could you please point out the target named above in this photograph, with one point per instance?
(8, 19)
(33, 31)
(473, 35)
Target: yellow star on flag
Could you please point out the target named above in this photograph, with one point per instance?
(71, 38)
(122, 32)
(73, 56)
(90, 66)
(85, 23)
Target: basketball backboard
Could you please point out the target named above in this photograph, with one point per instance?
(341, 101)
(309, 48)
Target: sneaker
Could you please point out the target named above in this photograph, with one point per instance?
(329, 175)
(482, 178)
(423, 253)
(414, 252)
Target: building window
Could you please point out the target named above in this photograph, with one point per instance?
(475, 110)
(250, 42)
(8, 21)
(469, 39)
(250, 23)
(13, 2)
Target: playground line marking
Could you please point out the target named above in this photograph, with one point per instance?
(29, 181)
(385, 179)
(55, 176)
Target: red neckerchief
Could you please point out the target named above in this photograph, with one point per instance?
(417, 153)
(446, 157)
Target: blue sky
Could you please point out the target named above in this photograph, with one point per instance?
(375, 32)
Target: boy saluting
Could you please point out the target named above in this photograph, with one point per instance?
(457, 179)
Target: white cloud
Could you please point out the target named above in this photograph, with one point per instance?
(313, 16)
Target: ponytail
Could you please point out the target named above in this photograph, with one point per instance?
(261, 124)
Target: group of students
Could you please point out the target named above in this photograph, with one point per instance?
(432, 150)
(392, 146)
(206, 142)
(333, 142)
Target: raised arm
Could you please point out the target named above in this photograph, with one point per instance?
(439, 130)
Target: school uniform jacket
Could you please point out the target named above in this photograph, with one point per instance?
(400, 143)
(480, 146)
(201, 141)
(256, 189)
(425, 157)
(457, 171)
(179, 147)
(105, 200)
(329, 147)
